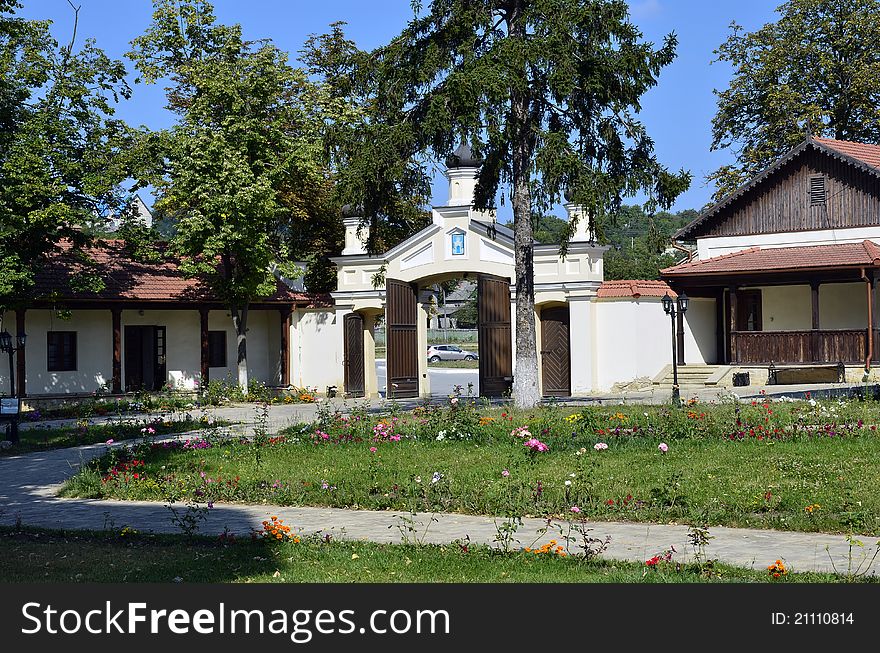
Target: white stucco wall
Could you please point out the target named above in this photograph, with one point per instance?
(94, 344)
(263, 346)
(634, 338)
(94, 352)
(700, 332)
(316, 349)
(843, 306)
(785, 308)
(718, 245)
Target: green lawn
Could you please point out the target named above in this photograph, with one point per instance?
(35, 556)
(793, 467)
(41, 439)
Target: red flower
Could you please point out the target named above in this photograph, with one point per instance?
(652, 562)
(610, 502)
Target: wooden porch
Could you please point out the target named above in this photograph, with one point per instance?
(817, 346)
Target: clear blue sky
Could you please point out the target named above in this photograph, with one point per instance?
(678, 111)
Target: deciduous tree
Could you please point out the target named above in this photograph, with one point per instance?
(814, 71)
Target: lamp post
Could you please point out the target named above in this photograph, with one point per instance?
(7, 346)
(672, 308)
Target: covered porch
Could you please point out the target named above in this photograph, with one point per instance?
(814, 305)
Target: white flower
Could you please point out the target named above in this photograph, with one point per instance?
(436, 477)
(441, 436)
(572, 475)
(567, 483)
(812, 402)
(418, 479)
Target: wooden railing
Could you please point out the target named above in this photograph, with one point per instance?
(807, 346)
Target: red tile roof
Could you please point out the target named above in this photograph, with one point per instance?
(864, 152)
(634, 288)
(755, 259)
(128, 279)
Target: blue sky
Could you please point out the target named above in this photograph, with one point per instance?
(678, 111)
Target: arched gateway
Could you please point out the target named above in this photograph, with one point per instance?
(464, 242)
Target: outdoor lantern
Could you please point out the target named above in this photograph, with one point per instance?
(20, 339)
(5, 341)
(667, 303)
(682, 303)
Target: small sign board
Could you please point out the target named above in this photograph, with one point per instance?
(9, 406)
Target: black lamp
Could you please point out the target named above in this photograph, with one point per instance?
(669, 307)
(20, 340)
(5, 342)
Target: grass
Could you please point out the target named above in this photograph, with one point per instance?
(792, 467)
(43, 439)
(34, 555)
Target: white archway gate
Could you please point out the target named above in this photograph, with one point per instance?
(464, 242)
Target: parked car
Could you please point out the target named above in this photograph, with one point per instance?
(437, 353)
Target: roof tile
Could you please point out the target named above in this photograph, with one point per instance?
(634, 288)
(755, 259)
(127, 279)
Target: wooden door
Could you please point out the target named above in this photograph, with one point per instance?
(493, 324)
(401, 318)
(354, 355)
(145, 358)
(134, 358)
(555, 352)
(748, 311)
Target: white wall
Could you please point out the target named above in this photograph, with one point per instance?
(700, 332)
(94, 352)
(787, 308)
(263, 346)
(94, 330)
(634, 338)
(718, 245)
(316, 349)
(843, 306)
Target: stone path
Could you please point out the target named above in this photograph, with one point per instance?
(29, 483)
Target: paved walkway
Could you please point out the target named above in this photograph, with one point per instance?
(29, 483)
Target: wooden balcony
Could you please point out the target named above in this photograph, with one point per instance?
(806, 346)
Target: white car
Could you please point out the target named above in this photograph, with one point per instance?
(437, 353)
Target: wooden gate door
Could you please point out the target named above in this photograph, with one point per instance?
(354, 355)
(401, 318)
(555, 352)
(496, 351)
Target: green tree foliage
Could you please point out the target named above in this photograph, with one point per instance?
(545, 91)
(62, 154)
(815, 70)
(240, 171)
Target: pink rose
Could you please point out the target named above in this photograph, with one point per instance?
(505, 473)
(373, 450)
(663, 447)
(575, 509)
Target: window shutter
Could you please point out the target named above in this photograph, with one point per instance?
(817, 190)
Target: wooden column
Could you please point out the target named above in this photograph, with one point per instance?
(20, 354)
(285, 345)
(869, 341)
(117, 350)
(679, 337)
(719, 328)
(814, 336)
(203, 331)
(734, 358)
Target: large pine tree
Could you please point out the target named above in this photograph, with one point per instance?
(546, 92)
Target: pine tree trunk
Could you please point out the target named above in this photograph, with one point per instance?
(526, 393)
(239, 322)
